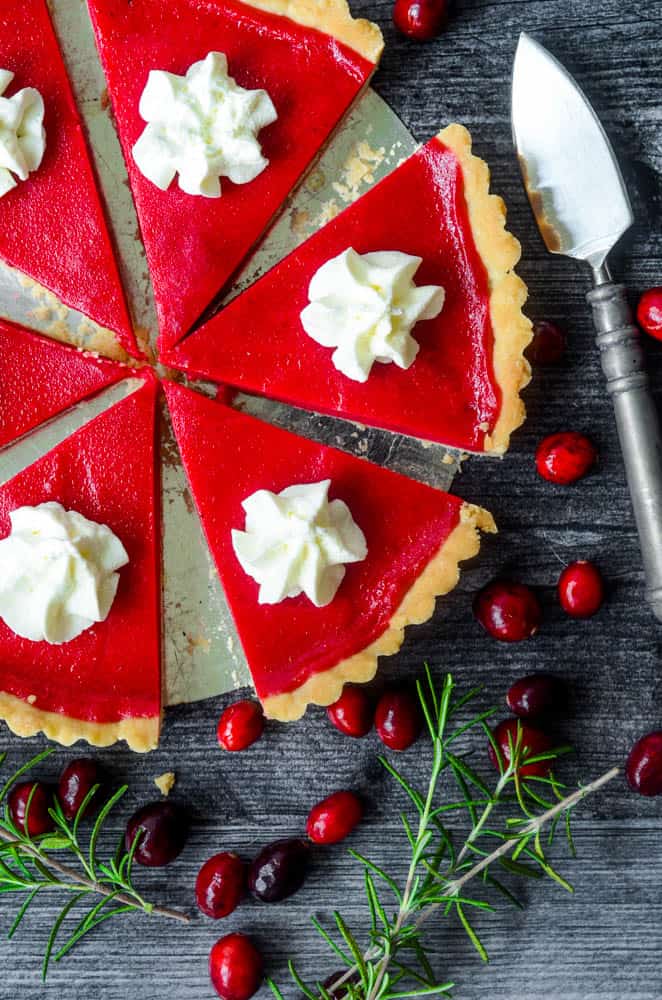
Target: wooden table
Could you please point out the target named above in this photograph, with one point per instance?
(605, 943)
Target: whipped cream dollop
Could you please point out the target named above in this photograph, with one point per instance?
(202, 126)
(366, 305)
(298, 541)
(58, 573)
(22, 133)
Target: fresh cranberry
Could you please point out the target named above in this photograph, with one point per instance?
(420, 19)
(279, 870)
(340, 992)
(77, 781)
(533, 742)
(566, 457)
(333, 819)
(165, 830)
(649, 312)
(581, 589)
(220, 884)
(535, 695)
(39, 819)
(235, 967)
(240, 725)
(548, 344)
(644, 765)
(508, 611)
(353, 713)
(398, 718)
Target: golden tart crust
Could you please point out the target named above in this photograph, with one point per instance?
(334, 18)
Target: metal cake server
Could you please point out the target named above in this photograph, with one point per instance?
(582, 209)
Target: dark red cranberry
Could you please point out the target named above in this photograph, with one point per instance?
(566, 457)
(581, 589)
(508, 611)
(535, 695)
(644, 765)
(533, 742)
(333, 819)
(235, 967)
(240, 725)
(220, 884)
(398, 718)
(340, 992)
(77, 781)
(279, 870)
(649, 312)
(548, 344)
(353, 713)
(39, 819)
(420, 19)
(165, 828)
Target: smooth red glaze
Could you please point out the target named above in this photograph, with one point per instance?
(354, 713)
(77, 781)
(566, 457)
(235, 967)
(421, 20)
(508, 611)
(39, 819)
(644, 765)
(220, 884)
(249, 455)
(534, 742)
(398, 718)
(649, 312)
(164, 830)
(535, 694)
(240, 725)
(333, 819)
(548, 344)
(581, 589)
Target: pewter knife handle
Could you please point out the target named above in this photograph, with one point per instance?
(637, 422)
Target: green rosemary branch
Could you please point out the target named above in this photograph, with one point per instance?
(101, 890)
(514, 813)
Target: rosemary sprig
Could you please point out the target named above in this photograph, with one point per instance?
(393, 963)
(101, 890)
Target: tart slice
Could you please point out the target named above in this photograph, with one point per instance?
(105, 684)
(399, 541)
(40, 378)
(291, 69)
(456, 333)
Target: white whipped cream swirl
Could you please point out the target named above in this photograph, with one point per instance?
(22, 134)
(297, 541)
(202, 126)
(58, 573)
(366, 305)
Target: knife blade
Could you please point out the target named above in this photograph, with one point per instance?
(580, 202)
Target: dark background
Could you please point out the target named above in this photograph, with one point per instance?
(606, 941)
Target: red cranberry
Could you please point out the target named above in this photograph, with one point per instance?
(165, 831)
(220, 884)
(535, 695)
(508, 611)
(398, 719)
(566, 457)
(533, 742)
(279, 870)
(39, 819)
(333, 819)
(649, 312)
(353, 713)
(420, 19)
(240, 725)
(581, 589)
(235, 967)
(644, 765)
(548, 344)
(76, 782)
(340, 992)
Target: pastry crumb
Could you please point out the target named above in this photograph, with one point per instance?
(447, 459)
(484, 426)
(166, 782)
(31, 699)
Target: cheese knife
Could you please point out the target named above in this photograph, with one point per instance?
(581, 205)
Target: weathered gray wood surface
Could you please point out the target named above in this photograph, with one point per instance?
(607, 941)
